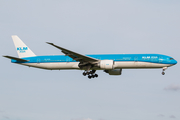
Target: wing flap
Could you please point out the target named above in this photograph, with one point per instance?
(14, 58)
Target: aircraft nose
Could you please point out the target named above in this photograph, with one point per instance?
(174, 62)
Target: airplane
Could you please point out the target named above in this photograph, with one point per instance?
(110, 63)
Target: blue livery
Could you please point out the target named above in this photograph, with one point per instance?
(110, 63)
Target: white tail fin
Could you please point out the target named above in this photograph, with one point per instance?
(22, 50)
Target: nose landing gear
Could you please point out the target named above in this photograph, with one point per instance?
(91, 74)
(164, 68)
(163, 73)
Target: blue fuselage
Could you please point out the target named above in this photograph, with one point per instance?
(110, 63)
(151, 58)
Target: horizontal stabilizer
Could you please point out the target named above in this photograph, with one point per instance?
(18, 59)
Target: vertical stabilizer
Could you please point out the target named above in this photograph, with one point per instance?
(22, 50)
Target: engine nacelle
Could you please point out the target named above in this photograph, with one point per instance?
(107, 64)
(114, 72)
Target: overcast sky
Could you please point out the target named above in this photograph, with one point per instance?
(86, 27)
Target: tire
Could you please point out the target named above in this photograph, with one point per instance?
(96, 75)
(84, 73)
(163, 73)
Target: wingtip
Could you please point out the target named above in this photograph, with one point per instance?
(49, 43)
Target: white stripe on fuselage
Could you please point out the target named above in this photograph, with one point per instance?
(117, 65)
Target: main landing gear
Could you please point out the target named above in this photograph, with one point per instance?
(91, 74)
(164, 68)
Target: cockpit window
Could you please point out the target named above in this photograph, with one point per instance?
(171, 59)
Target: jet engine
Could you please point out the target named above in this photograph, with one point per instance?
(114, 72)
(106, 64)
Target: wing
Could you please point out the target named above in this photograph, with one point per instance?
(14, 58)
(75, 56)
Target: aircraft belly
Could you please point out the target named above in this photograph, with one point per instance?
(74, 65)
(54, 66)
(133, 64)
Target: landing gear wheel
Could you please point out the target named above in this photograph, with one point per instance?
(164, 68)
(84, 73)
(163, 73)
(93, 71)
(89, 77)
(96, 75)
(90, 74)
